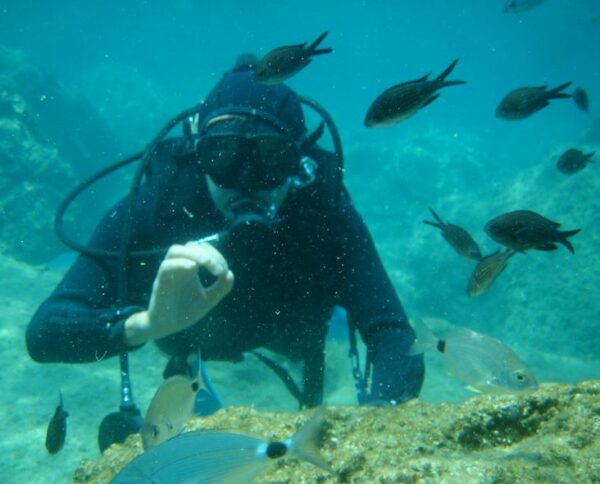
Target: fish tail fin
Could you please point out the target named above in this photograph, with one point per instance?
(436, 216)
(565, 241)
(588, 156)
(304, 444)
(313, 47)
(435, 224)
(556, 93)
(426, 339)
(447, 71)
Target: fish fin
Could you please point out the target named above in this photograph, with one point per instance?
(327, 50)
(556, 94)
(451, 83)
(436, 216)
(447, 71)
(435, 224)
(312, 48)
(407, 83)
(304, 444)
(426, 339)
(565, 241)
(588, 156)
(430, 100)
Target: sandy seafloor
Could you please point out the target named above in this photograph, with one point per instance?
(30, 391)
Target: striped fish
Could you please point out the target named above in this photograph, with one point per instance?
(487, 270)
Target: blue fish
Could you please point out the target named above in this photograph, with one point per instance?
(212, 456)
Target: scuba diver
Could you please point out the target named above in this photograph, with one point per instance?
(288, 247)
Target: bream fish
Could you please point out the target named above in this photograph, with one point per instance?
(522, 230)
(171, 406)
(487, 270)
(283, 62)
(581, 99)
(517, 6)
(572, 161)
(403, 100)
(212, 456)
(483, 363)
(460, 240)
(56, 432)
(525, 101)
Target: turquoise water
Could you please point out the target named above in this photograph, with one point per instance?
(140, 64)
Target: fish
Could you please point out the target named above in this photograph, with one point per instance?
(522, 230)
(518, 6)
(171, 406)
(283, 62)
(483, 363)
(401, 101)
(525, 101)
(460, 240)
(487, 270)
(572, 161)
(56, 432)
(581, 99)
(215, 456)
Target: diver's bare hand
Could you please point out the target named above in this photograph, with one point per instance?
(179, 299)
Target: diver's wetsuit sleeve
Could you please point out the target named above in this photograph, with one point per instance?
(81, 321)
(374, 309)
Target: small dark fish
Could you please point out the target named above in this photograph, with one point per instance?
(487, 270)
(517, 6)
(457, 237)
(57, 429)
(525, 101)
(403, 100)
(225, 457)
(572, 161)
(522, 230)
(283, 62)
(581, 99)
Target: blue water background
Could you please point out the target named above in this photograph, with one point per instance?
(142, 62)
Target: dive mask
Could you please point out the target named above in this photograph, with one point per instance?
(241, 153)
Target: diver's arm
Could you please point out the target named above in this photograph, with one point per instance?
(374, 308)
(82, 321)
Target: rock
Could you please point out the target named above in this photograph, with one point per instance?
(48, 142)
(552, 435)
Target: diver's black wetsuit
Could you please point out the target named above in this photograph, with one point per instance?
(286, 284)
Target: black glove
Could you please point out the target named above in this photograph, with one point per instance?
(397, 376)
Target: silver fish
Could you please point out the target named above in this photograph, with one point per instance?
(487, 270)
(283, 62)
(572, 161)
(523, 230)
(517, 6)
(483, 363)
(523, 102)
(403, 100)
(171, 406)
(460, 240)
(212, 456)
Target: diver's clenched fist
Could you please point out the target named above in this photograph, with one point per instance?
(179, 299)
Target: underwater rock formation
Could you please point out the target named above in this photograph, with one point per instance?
(48, 140)
(552, 435)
